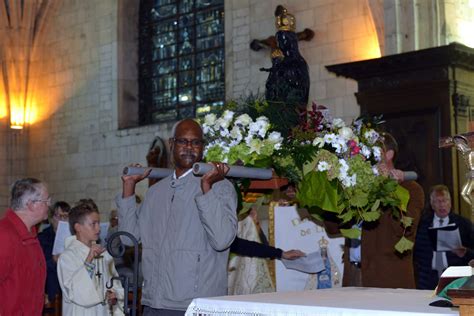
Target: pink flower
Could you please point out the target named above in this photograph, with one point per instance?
(355, 150)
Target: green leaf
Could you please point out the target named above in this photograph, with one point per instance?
(359, 198)
(309, 166)
(403, 245)
(403, 196)
(371, 216)
(375, 206)
(347, 215)
(352, 233)
(407, 221)
(316, 190)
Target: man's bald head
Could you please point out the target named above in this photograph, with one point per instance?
(187, 145)
(184, 125)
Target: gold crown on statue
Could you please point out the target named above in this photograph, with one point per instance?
(284, 21)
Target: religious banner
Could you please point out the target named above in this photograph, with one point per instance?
(290, 229)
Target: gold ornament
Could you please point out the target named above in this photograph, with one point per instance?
(285, 21)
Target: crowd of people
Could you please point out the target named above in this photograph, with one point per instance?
(187, 225)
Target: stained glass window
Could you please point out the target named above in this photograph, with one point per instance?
(181, 65)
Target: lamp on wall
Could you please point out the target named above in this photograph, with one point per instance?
(21, 25)
(17, 113)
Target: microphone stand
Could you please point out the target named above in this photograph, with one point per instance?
(127, 286)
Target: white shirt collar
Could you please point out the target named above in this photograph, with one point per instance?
(437, 218)
(183, 175)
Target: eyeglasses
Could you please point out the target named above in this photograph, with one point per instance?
(186, 142)
(47, 201)
(63, 217)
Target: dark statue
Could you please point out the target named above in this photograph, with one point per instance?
(288, 79)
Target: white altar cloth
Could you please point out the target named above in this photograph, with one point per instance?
(348, 301)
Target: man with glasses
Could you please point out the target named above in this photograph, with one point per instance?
(186, 224)
(59, 212)
(22, 263)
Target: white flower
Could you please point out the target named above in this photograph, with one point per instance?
(253, 128)
(357, 125)
(206, 129)
(339, 144)
(346, 133)
(349, 181)
(344, 168)
(248, 139)
(209, 119)
(375, 170)
(330, 138)
(365, 151)
(225, 132)
(322, 166)
(221, 124)
(243, 120)
(234, 142)
(377, 153)
(318, 142)
(228, 115)
(372, 136)
(263, 125)
(255, 145)
(236, 134)
(275, 137)
(338, 123)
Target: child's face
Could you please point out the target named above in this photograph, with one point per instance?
(90, 229)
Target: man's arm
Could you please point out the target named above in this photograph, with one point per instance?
(127, 206)
(218, 214)
(251, 248)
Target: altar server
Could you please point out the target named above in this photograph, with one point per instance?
(84, 268)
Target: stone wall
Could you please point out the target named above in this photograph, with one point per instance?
(76, 145)
(344, 31)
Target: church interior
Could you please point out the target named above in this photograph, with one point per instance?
(88, 86)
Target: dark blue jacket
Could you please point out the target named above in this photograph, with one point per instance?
(46, 239)
(427, 278)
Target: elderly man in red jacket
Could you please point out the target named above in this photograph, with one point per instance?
(22, 263)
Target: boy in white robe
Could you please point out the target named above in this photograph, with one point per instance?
(85, 267)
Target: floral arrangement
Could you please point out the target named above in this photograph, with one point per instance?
(334, 167)
(239, 139)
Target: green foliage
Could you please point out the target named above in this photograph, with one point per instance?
(404, 244)
(371, 216)
(316, 190)
(406, 221)
(352, 233)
